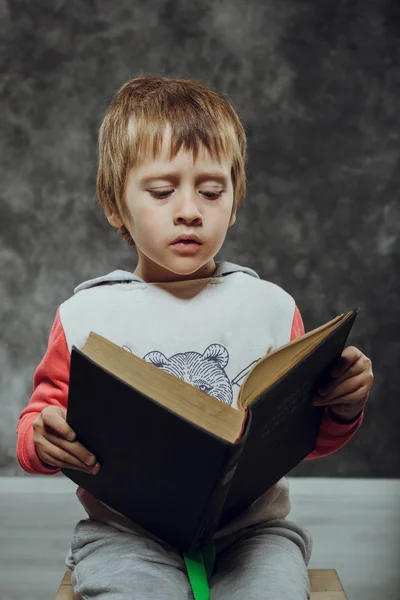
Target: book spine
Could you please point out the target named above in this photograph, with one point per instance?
(212, 513)
(244, 425)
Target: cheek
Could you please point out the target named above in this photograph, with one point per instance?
(147, 224)
(221, 223)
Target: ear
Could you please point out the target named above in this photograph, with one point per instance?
(158, 359)
(218, 354)
(114, 220)
(233, 219)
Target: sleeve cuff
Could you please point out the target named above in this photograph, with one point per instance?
(30, 461)
(334, 434)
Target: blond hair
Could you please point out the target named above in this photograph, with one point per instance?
(134, 124)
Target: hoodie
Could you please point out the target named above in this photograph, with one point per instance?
(209, 332)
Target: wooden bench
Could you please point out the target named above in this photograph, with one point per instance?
(325, 585)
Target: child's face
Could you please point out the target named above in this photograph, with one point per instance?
(167, 199)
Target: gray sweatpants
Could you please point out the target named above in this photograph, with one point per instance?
(262, 562)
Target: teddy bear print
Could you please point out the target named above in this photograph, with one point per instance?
(205, 371)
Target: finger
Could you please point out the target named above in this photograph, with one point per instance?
(349, 357)
(353, 371)
(74, 448)
(344, 389)
(57, 423)
(49, 460)
(354, 400)
(62, 458)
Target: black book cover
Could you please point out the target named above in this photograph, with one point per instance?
(157, 468)
(284, 424)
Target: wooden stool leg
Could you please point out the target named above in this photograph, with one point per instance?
(65, 591)
(325, 585)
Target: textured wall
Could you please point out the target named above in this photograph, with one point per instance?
(317, 86)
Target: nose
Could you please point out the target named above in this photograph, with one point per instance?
(187, 210)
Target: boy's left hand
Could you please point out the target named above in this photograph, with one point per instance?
(349, 388)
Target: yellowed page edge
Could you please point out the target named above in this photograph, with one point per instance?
(179, 396)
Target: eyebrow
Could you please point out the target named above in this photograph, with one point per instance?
(173, 176)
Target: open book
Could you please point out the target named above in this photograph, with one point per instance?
(179, 462)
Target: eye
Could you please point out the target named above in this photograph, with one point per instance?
(204, 388)
(212, 195)
(159, 195)
(164, 194)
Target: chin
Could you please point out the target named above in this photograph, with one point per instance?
(186, 267)
(184, 270)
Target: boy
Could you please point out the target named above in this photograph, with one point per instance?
(172, 157)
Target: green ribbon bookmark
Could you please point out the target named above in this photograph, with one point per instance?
(200, 567)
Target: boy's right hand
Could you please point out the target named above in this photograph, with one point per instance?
(50, 436)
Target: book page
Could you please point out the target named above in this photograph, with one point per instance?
(278, 362)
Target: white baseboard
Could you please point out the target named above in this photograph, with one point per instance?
(299, 486)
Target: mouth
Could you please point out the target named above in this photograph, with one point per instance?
(187, 240)
(186, 245)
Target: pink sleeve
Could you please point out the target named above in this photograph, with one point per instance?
(50, 386)
(332, 434)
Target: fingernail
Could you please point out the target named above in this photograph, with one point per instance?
(323, 392)
(71, 436)
(94, 470)
(90, 460)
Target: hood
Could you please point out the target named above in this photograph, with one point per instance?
(119, 276)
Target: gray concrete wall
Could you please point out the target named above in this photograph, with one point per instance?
(317, 86)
